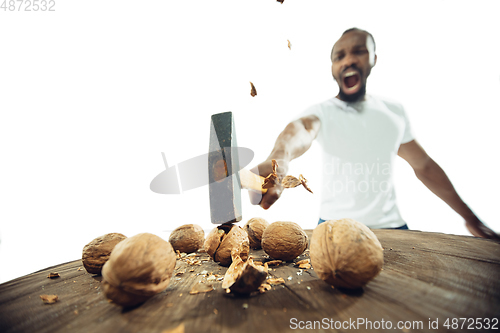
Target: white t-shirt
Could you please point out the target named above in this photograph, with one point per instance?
(360, 141)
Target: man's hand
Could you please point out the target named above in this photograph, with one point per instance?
(431, 174)
(292, 142)
(478, 229)
(272, 195)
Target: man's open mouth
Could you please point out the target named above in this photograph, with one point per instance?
(352, 82)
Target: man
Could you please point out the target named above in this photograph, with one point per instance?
(360, 136)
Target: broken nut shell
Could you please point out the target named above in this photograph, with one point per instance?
(244, 277)
(223, 240)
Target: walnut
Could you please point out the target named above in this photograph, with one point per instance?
(346, 253)
(96, 253)
(255, 228)
(284, 240)
(139, 267)
(187, 238)
(223, 240)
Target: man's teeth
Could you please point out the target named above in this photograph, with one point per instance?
(350, 74)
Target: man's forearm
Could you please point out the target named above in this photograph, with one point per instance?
(295, 140)
(438, 182)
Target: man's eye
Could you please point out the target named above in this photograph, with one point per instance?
(361, 51)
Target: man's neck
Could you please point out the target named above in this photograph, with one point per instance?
(361, 99)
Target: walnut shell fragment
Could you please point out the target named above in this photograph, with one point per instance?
(223, 240)
(304, 183)
(49, 299)
(290, 182)
(253, 91)
(255, 228)
(346, 253)
(244, 277)
(304, 264)
(201, 288)
(96, 253)
(264, 287)
(276, 281)
(284, 240)
(274, 263)
(272, 179)
(187, 238)
(138, 268)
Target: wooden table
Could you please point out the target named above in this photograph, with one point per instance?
(426, 277)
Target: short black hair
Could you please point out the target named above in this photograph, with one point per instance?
(359, 30)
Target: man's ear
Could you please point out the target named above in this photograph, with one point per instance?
(374, 60)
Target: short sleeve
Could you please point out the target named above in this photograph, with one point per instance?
(399, 110)
(408, 131)
(313, 110)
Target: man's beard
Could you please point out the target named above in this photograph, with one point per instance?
(353, 97)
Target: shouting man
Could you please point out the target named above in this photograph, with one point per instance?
(360, 136)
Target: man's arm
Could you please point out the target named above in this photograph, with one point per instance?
(295, 140)
(431, 174)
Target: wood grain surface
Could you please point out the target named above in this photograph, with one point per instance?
(426, 277)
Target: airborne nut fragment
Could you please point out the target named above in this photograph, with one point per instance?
(284, 240)
(223, 240)
(346, 253)
(290, 182)
(304, 183)
(96, 253)
(255, 228)
(187, 238)
(253, 91)
(139, 267)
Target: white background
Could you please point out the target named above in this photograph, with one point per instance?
(91, 94)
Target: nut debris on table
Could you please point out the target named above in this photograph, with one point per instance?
(49, 299)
